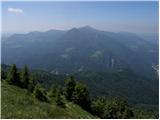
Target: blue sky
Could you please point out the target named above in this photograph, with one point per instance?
(111, 16)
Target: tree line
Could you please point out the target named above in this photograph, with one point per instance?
(73, 91)
(22, 78)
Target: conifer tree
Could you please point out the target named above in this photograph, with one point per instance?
(111, 109)
(98, 106)
(3, 74)
(25, 77)
(53, 91)
(32, 83)
(69, 87)
(81, 96)
(39, 93)
(13, 75)
(59, 99)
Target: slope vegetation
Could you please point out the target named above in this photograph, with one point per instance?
(19, 103)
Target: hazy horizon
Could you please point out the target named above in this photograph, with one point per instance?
(135, 17)
(67, 29)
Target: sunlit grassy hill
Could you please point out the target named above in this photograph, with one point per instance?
(19, 103)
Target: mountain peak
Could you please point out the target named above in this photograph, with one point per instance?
(87, 27)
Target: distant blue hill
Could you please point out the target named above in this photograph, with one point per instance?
(80, 49)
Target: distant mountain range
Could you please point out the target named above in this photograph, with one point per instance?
(81, 49)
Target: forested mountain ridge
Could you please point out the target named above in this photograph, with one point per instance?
(81, 49)
(25, 89)
(125, 83)
(136, 89)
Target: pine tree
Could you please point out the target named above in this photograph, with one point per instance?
(81, 96)
(13, 75)
(53, 91)
(3, 74)
(98, 106)
(40, 93)
(25, 77)
(59, 99)
(112, 109)
(69, 87)
(32, 83)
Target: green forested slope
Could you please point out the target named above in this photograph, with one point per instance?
(136, 89)
(19, 103)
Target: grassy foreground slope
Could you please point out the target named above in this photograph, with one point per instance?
(19, 103)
